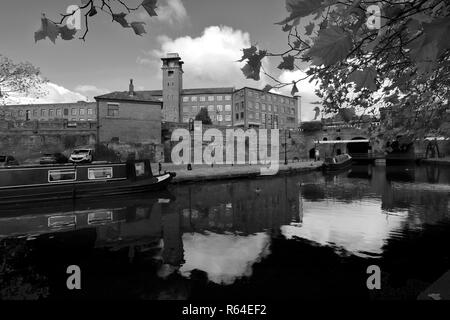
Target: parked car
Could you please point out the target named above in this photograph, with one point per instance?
(53, 158)
(8, 161)
(81, 155)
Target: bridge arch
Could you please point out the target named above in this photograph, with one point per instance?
(358, 147)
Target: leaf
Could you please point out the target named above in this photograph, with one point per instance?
(364, 79)
(248, 53)
(287, 64)
(286, 27)
(300, 9)
(331, 46)
(138, 27)
(432, 42)
(67, 33)
(48, 29)
(309, 28)
(267, 88)
(150, 6)
(253, 67)
(120, 18)
(294, 89)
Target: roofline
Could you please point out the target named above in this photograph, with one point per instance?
(130, 100)
(277, 94)
(47, 104)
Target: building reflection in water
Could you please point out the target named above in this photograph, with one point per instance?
(213, 231)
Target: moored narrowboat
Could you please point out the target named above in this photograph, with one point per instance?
(339, 162)
(71, 181)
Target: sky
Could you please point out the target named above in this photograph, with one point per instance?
(208, 35)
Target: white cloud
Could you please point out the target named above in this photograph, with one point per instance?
(173, 11)
(224, 257)
(305, 90)
(54, 94)
(90, 90)
(210, 59)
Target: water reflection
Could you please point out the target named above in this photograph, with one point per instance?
(158, 246)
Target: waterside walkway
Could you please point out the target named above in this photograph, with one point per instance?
(221, 172)
(443, 161)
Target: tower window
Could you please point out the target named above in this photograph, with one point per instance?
(170, 73)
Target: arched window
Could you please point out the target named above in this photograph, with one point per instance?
(338, 138)
(325, 139)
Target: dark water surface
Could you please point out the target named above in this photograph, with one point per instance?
(305, 236)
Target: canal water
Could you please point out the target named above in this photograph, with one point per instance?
(305, 236)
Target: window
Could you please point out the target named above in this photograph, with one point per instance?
(194, 109)
(250, 104)
(185, 99)
(113, 110)
(242, 115)
(89, 111)
(257, 115)
(237, 116)
(213, 117)
(170, 73)
(66, 112)
(43, 113)
(74, 112)
(21, 113)
(35, 113)
(62, 175)
(228, 117)
(275, 108)
(100, 173)
(82, 112)
(202, 98)
(228, 97)
(194, 98)
(186, 108)
(219, 98)
(210, 107)
(219, 108)
(59, 112)
(263, 107)
(139, 169)
(257, 106)
(210, 98)
(219, 117)
(185, 119)
(27, 115)
(50, 113)
(269, 107)
(250, 115)
(249, 93)
(236, 106)
(228, 107)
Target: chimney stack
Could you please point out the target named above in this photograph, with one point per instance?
(131, 88)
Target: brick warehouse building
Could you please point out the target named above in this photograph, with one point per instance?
(246, 107)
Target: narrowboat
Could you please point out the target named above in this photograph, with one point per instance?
(338, 162)
(71, 181)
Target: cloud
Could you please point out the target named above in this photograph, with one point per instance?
(54, 94)
(90, 90)
(209, 59)
(224, 257)
(173, 11)
(306, 91)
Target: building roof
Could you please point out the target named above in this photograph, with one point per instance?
(142, 96)
(221, 90)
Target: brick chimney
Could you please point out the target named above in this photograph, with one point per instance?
(131, 88)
